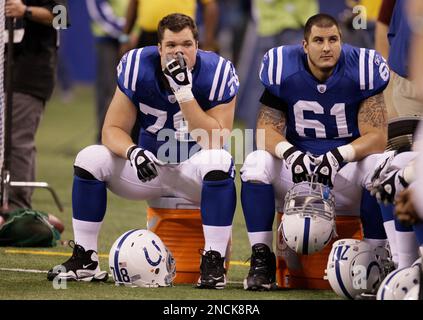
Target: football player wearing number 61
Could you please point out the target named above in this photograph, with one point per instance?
(180, 95)
(328, 97)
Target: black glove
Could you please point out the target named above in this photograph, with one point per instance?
(392, 185)
(298, 163)
(329, 165)
(179, 78)
(142, 163)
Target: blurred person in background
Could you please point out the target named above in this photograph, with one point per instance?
(276, 22)
(145, 15)
(382, 45)
(34, 69)
(404, 95)
(107, 27)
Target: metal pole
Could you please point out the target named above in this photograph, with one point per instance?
(8, 116)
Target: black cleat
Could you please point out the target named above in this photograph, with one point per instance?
(212, 271)
(82, 266)
(262, 274)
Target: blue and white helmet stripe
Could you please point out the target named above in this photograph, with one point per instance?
(116, 254)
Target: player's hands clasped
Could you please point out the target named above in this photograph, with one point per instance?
(328, 166)
(142, 163)
(179, 78)
(298, 163)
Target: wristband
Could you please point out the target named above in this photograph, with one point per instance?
(281, 148)
(129, 151)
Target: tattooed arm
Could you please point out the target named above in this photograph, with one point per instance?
(270, 126)
(373, 126)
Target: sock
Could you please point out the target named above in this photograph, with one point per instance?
(217, 238)
(371, 217)
(389, 225)
(408, 249)
(391, 234)
(89, 199)
(375, 242)
(86, 233)
(258, 204)
(418, 230)
(265, 237)
(218, 203)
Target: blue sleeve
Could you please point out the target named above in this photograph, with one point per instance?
(102, 13)
(225, 83)
(271, 70)
(128, 72)
(374, 72)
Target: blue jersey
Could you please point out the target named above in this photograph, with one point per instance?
(323, 116)
(141, 79)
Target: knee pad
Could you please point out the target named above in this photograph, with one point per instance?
(82, 173)
(216, 175)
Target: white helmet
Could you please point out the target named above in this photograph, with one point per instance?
(401, 284)
(355, 267)
(138, 258)
(308, 222)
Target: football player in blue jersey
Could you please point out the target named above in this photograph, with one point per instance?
(180, 95)
(328, 97)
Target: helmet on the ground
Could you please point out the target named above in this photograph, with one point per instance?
(355, 267)
(401, 283)
(139, 258)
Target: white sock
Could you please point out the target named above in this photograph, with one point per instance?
(392, 240)
(265, 237)
(408, 248)
(217, 238)
(375, 242)
(86, 233)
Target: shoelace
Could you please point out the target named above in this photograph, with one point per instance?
(78, 250)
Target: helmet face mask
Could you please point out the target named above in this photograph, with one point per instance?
(139, 258)
(308, 223)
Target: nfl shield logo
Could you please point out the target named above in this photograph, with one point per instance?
(171, 98)
(321, 88)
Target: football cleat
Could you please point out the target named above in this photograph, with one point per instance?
(262, 274)
(212, 271)
(81, 266)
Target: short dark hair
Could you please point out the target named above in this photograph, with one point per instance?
(320, 20)
(176, 22)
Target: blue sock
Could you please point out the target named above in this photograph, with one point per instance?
(258, 204)
(387, 212)
(418, 230)
(218, 202)
(401, 227)
(371, 217)
(89, 199)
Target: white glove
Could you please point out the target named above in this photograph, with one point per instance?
(179, 78)
(142, 161)
(299, 164)
(329, 165)
(390, 187)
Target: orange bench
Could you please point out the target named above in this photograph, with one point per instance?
(178, 224)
